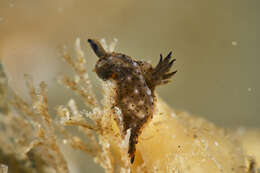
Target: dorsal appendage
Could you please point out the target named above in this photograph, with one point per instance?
(97, 47)
(135, 84)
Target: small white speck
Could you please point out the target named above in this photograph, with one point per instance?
(151, 99)
(68, 116)
(216, 143)
(142, 115)
(65, 141)
(135, 64)
(249, 89)
(173, 115)
(136, 91)
(118, 111)
(77, 79)
(148, 91)
(234, 43)
(78, 49)
(72, 105)
(125, 142)
(129, 78)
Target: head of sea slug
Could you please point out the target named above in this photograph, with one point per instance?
(111, 66)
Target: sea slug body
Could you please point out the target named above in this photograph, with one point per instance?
(135, 84)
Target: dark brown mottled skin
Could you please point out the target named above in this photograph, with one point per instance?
(135, 84)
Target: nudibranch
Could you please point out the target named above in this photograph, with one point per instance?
(135, 83)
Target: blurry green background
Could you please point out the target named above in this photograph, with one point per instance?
(216, 44)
